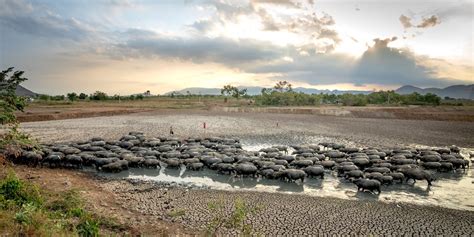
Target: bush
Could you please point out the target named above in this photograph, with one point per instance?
(14, 191)
(72, 96)
(44, 97)
(88, 227)
(25, 215)
(99, 95)
(83, 96)
(58, 98)
(25, 211)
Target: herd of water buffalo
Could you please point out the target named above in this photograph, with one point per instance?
(368, 168)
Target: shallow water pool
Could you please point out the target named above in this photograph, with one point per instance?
(452, 190)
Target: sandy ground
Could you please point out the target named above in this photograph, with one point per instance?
(352, 131)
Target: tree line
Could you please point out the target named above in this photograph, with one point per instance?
(96, 96)
(282, 94)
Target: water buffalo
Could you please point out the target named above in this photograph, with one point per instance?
(417, 174)
(151, 163)
(356, 174)
(72, 161)
(328, 164)
(381, 170)
(431, 165)
(115, 167)
(313, 171)
(195, 166)
(397, 176)
(375, 175)
(367, 184)
(246, 169)
(301, 163)
(224, 168)
(292, 175)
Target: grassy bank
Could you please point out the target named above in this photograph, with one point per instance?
(28, 210)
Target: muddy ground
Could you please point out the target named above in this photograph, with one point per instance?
(187, 123)
(147, 206)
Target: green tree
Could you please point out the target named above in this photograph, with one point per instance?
(99, 95)
(227, 90)
(14, 139)
(83, 96)
(233, 91)
(72, 96)
(44, 97)
(9, 101)
(58, 97)
(432, 99)
(283, 86)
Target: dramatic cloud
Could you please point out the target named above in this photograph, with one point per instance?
(302, 23)
(429, 22)
(426, 22)
(277, 2)
(198, 49)
(380, 64)
(406, 21)
(247, 42)
(24, 18)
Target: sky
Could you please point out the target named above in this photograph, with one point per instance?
(131, 46)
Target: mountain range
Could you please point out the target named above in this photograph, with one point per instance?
(22, 91)
(456, 91)
(258, 90)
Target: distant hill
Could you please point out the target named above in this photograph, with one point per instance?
(22, 91)
(456, 91)
(258, 90)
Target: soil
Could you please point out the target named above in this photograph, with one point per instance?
(100, 201)
(261, 126)
(145, 207)
(56, 113)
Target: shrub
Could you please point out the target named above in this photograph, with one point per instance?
(99, 95)
(72, 96)
(25, 215)
(83, 96)
(13, 190)
(88, 227)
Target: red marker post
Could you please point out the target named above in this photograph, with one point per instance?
(204, 125)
